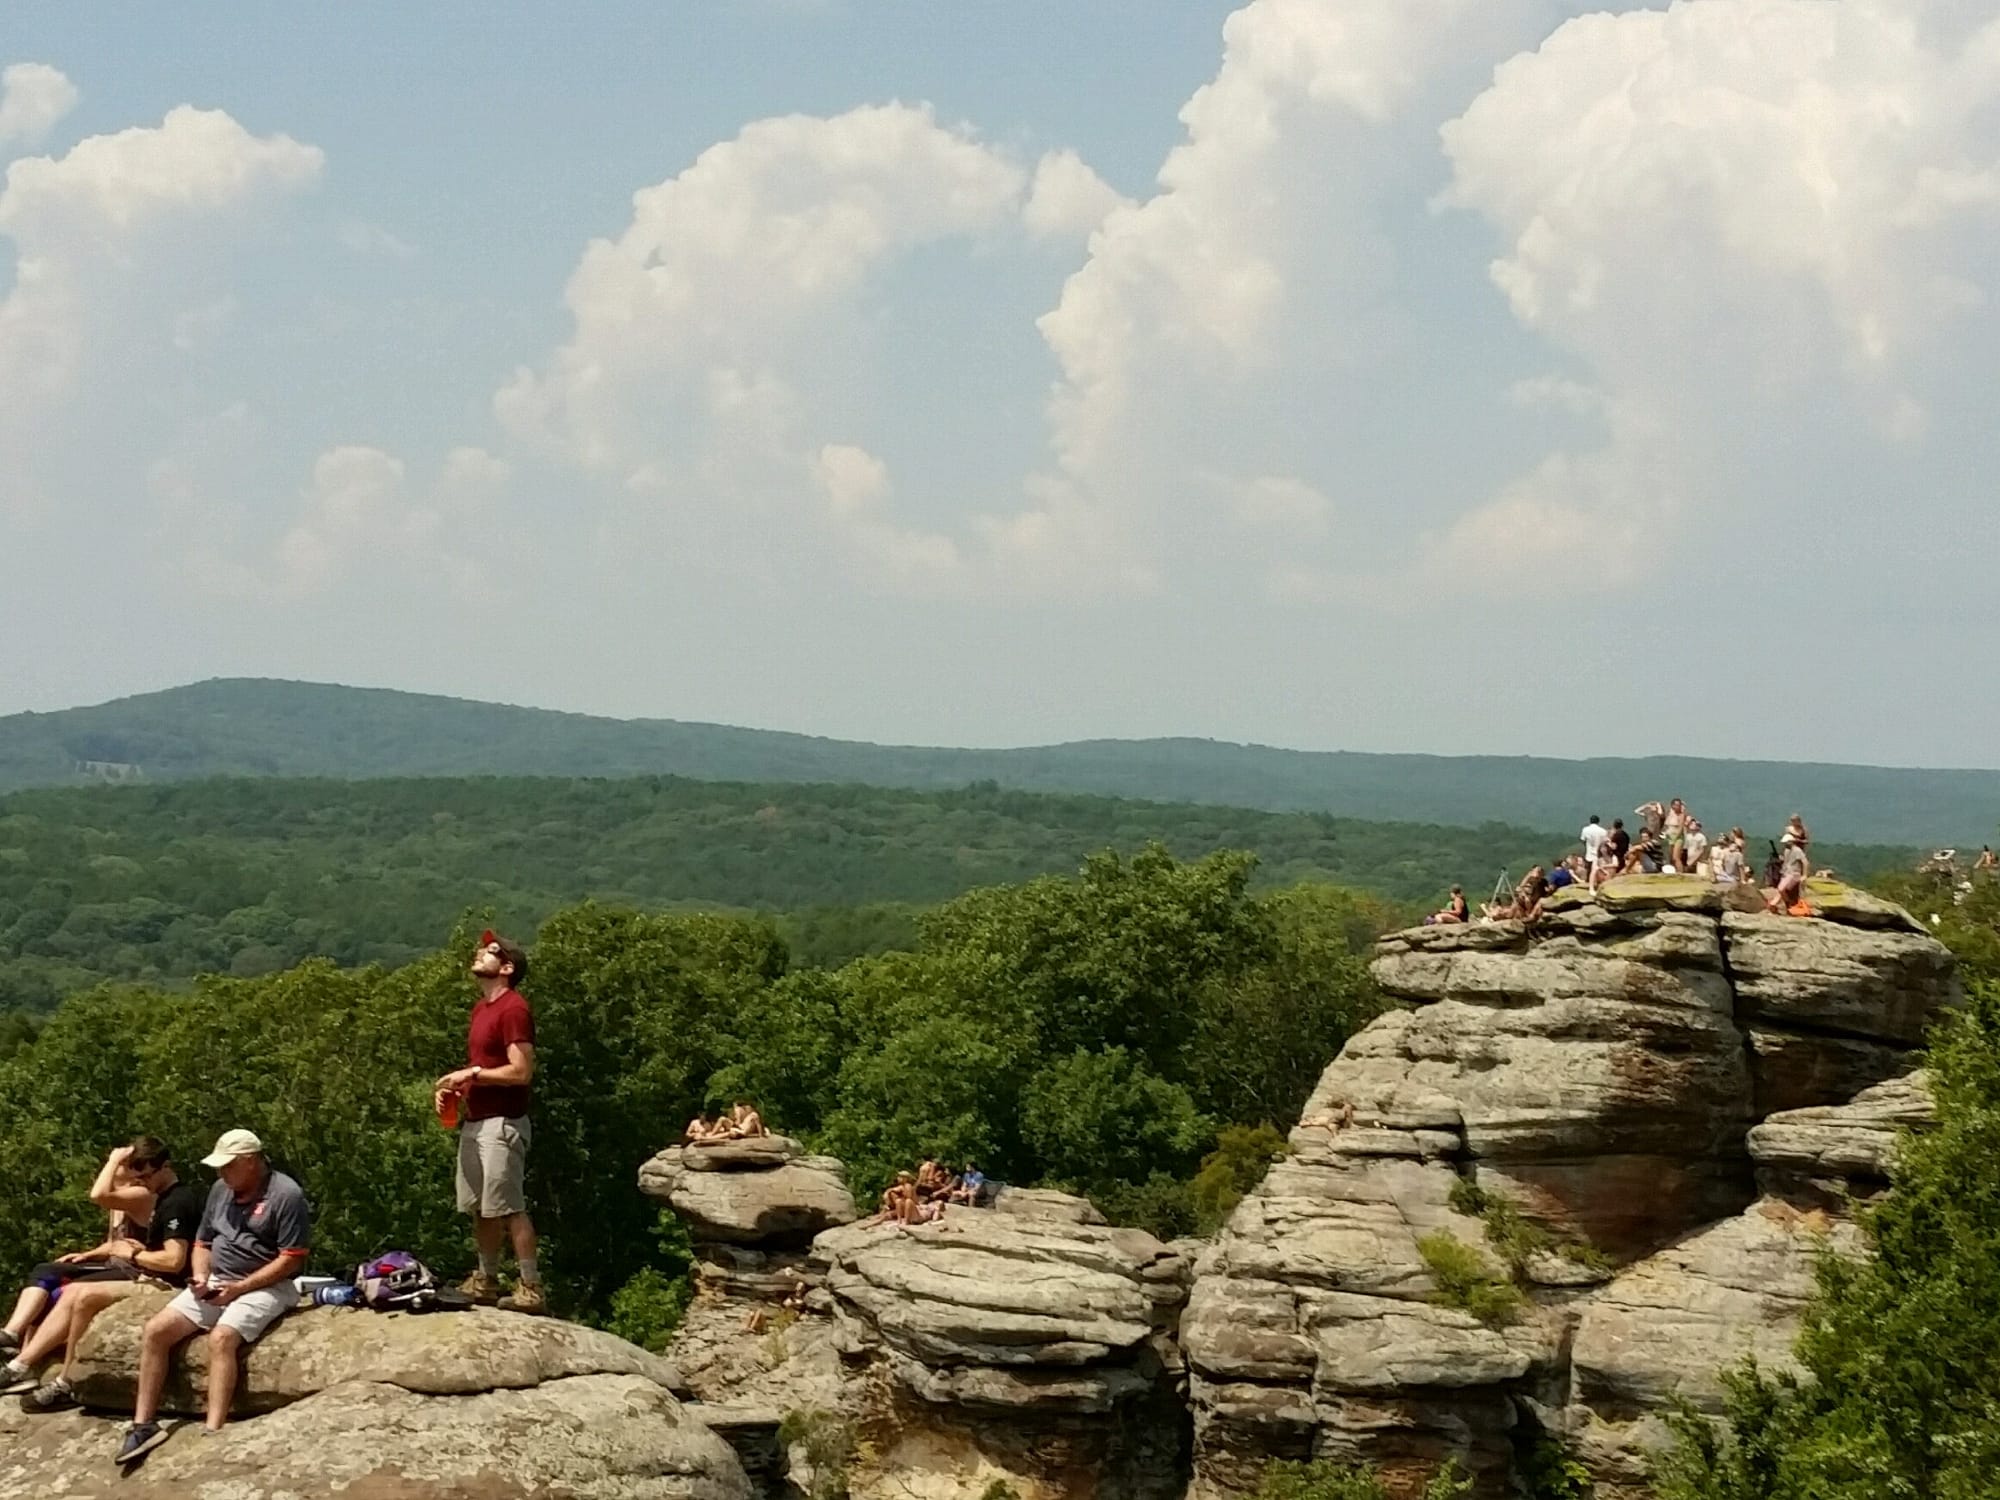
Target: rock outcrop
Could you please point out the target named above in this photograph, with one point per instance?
(478, 1405)
(764, 1192)
(1573, 1105)
(1027, 1343)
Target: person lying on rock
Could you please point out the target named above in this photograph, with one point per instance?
(255, 1232)
(150, 1208)
(744, 1122)
(701, 1129)
(497, 1086)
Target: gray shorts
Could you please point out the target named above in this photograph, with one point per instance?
(493, 1166)
(250, 1314)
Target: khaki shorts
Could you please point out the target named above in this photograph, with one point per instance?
(492, 1167)
(250, 1314)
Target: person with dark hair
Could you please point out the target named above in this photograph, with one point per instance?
(154, 1253)
(128, 1187)
(494, 1134)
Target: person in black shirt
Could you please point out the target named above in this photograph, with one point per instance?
(149, 1244)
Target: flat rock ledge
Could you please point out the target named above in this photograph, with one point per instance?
(342, 1402)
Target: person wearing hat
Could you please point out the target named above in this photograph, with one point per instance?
(255, 1232)
(494, 1133)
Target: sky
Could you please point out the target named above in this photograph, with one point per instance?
(1465, 376)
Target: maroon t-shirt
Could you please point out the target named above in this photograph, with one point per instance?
(497, 1024)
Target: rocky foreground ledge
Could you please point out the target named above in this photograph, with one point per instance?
(343, 1402)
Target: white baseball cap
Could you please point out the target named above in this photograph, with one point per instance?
(232, 1144)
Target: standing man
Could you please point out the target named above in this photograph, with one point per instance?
(253, 1239)
(1593, 835)
(493, 1135)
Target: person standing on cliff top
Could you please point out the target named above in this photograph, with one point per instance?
(494, 1094)
(1593, 835)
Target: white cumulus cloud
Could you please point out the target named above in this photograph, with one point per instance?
(33, 98)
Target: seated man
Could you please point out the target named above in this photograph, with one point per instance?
(253, 1239)
(121, 1190)
(701, 1128)
(971, 1183)
(155, 1254)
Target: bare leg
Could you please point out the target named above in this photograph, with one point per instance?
(521, 1229)
(29, 1306)
(488, 1235)
(165, 1333)
(225, 1348)
(53, 1331)
(89, 1302)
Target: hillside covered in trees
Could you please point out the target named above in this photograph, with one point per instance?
(268, 728)
(163, 881)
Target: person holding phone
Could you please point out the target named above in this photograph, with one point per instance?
(255, 1233)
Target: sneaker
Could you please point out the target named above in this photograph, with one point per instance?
(141, 1438)
(525, 1298)
(481, 1286)
(16, 1379)
(9, 1344)
(55, 1396)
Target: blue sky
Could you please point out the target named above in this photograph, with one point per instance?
(1452, 375)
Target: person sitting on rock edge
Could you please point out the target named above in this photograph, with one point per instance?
(253, 1240)
(744, 1123)
(155, 1254)
(149, 1206)
(1788, 897)
(701, 1130)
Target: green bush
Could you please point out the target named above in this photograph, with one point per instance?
(1320, 1479)
(1242, 1155)
(1464, 1281)
(828, 1443)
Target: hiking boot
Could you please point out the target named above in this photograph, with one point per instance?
(141, 1438)
(16, 1379)
(55, 1396)
(481, 1286)
(525, 1298)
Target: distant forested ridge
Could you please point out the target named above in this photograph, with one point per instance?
(268, 728)
(161, 881)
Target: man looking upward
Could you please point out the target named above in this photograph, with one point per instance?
(494, 1134)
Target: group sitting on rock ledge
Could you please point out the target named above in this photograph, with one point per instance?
(920, 1197)
(740, 1121)
(1671, 841)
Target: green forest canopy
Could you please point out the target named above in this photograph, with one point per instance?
(1098, 1032)
(159, 882)
(269, 728)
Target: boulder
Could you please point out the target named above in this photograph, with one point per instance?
(1824, 977)
(583, 1437)
(762, 1191)
(1023, 1294)
(1826, 1155)
(427, 1354)
(1667, 1327)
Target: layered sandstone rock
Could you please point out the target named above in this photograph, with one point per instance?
(1599, 1078)
(477, 1405)
(765, 1191)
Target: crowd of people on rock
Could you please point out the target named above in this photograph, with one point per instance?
(923, 1195)
(235, 1256)
(740, 1121)
(1671, 840)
